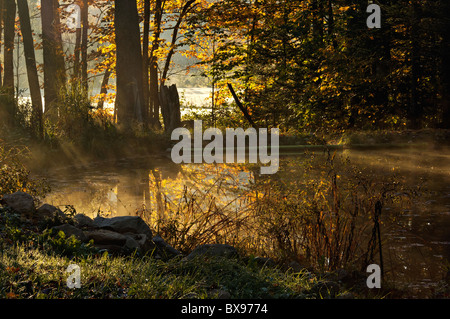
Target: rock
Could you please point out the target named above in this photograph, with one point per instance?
(145, 243)
(165, 249)
(124, 224)
(131, 245)
(20, 202)
(106, 237)
(119, 243)
(128, 248)
(342, 275)
(113, 249)
(349, 278)
(213, 250)
(83, 221)
(70, 230)
(49, 211)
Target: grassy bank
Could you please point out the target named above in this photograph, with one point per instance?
(34, 260)
(34, 267)
(33, 273)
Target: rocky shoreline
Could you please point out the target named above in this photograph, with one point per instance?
(131, 236)
(122, 235)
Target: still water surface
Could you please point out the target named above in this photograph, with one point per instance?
(416, 244)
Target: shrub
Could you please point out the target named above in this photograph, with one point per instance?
(14, 176)
(58, 243)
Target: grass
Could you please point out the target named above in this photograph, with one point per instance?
(28, 272)
(34, 260)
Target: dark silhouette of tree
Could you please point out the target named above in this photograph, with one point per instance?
(129, 94)
(444, 54)
(30, 60)
(153, 64)
(54, 65)
(145, 60)
(8, 54)
(84, 44)
(2, 17)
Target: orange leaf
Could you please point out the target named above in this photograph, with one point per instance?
(11, 295)
(12, 269)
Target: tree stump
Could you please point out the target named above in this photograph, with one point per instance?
(170, 107)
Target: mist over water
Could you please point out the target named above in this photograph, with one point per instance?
(416, 239)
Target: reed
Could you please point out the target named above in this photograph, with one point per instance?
(325, 220)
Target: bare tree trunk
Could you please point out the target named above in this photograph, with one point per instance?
(331, 24)
(445, 66)
(145, 60)
(129, 97)
(154, 85)
(242, 107)
(8, 55)
(17, 69)
(153, 94)
(76, 63)
(54, 66)
(104, 88)
(2, 17)
(30, 59)
(84, 40)
(170, 107)
(77, 49)
(59, 50)
(317, 20)
(415, 107)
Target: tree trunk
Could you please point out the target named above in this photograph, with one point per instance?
(154, 85)
(84, 44)
(104, 88)
(77, 50)
(381, 69)
(145, 74)
(170, 107)
(241, 107)
(8, 55)
(2, 17)
(54, 66)
(317, 20)
(129, 97)
(153, 94)
(30, 59)
(445, 66)
(415, 107)
(331, 24)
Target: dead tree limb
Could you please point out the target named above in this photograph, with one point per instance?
(242, 107)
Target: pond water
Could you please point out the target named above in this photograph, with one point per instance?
(416, 238)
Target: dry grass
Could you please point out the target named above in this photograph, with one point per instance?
(325, 219)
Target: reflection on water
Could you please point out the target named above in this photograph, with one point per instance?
(419, 240)
(416, 239)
